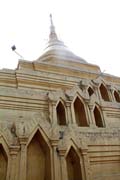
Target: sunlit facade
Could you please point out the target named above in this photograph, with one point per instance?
(59, 118)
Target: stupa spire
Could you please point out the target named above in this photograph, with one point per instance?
(56, 50)
(52, 35)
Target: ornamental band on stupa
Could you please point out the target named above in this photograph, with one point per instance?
(59, 118)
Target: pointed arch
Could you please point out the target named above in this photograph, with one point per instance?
(79, 110)
(90, 91)
(3, 163)
(74, 170)
(38, 157)
(104, 92)
(61, 114)
(4, 157)
(116, 96)
(98, 117)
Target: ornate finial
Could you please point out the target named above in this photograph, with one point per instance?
(51, 21)
(53, 35)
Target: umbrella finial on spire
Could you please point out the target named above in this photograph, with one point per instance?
(53, 35)
(51, 21)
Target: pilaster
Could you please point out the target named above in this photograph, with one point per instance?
(63, 165)
(23, 157)
(86, 165)
(54, 117)
(56, 161)
(13, 169)
(69, 114)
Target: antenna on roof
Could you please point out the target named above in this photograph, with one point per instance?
(14, 49)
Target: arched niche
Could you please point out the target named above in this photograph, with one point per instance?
(3, 163)
(61, 115)
(116, 96)
(104, 92)
(98, 117)
(80, 114)
(38, 158)
(73, 165)
(90, 91)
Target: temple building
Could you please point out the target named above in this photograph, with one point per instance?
(59, 118)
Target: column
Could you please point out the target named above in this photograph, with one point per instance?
(54, 115)
(23, 158)
(86, 165)
(92, 119)
(63, 165)
(112, 95)
(14, 162)
(88, 116)
(56, 161)
(69, 114)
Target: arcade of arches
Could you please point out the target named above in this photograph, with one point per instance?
(3, 163)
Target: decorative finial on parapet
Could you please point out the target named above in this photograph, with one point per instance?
(53, 35)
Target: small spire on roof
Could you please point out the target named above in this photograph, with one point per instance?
(53, 35)
(51, 21)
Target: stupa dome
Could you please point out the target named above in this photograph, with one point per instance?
(57, 49)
